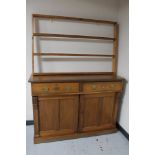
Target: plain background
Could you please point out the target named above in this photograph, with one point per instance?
(116, 10)
(13, 81)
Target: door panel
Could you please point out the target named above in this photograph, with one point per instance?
(89, 118)
(58, 115)
(48, 110)
(68, 113)
(107, 110)
(96, 111)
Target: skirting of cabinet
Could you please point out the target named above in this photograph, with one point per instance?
(73, 136)
(118, 126)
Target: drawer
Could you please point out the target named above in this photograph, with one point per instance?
(48, 88)
(102, 86)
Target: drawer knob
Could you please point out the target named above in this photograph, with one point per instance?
(112, 85)
(94, 86)
(56, 88)
(68, 88)
(45, 89)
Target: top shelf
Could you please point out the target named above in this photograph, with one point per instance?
(73, 19)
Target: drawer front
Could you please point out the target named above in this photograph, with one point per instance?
(102, 86)
(48, 88)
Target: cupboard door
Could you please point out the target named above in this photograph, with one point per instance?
(58, 115)
(96, 111)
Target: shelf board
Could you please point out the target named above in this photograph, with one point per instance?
(71, 54)
(73, 19)
(72, 36)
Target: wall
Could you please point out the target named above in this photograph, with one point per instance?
(123, 61)
(97, 9)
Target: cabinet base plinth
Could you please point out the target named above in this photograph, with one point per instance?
(72, 136)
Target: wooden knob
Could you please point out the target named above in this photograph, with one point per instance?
(56, 88)
(45, 89)
(112, 85)
(68, 88)
(94, 86)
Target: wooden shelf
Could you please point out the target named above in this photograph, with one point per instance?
(73, 19)
(72, 36)
(71, 54)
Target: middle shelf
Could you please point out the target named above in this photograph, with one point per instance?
(72, 36)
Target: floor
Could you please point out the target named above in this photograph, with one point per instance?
(110, 144)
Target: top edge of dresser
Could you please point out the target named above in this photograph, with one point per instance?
(74, 78)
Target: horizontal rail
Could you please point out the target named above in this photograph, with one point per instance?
(72, 36)
(73, 19)
(48, 95)
(70, 54)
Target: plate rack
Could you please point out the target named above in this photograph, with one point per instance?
(113, 39)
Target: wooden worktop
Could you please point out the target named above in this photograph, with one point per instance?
(73, 77)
